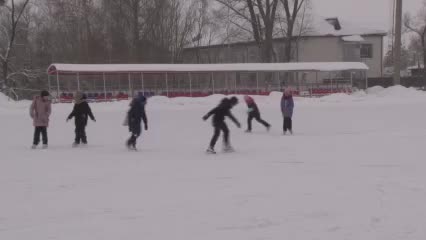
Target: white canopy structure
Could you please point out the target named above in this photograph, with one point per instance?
(181, 79)
(236, 67)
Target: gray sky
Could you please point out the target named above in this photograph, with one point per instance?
(374, 13)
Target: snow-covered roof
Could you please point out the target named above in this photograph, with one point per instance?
(353, 38)
(175, 68)
(322, 27)
(416, 67)
(318, 27)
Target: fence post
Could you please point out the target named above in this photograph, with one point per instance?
(58, 98)
(257, 83)
(366, 80)
(142, 84)
(103, 76)
(78, 81)
(130, 85)
(167, 84)
(190, 84)
(226, 83)
(48, 82)
(236, 81)
(212, 77)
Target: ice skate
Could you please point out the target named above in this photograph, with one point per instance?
(210, 150)
(74, 145)
(33, 146)
(228, 149)
(44, 146)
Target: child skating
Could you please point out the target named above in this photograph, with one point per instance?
(81, 112)
(219, 113)
(40, 111)
(134, 118)
(254, 113)
(287, 106)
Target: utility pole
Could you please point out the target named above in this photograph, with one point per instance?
(398, 43)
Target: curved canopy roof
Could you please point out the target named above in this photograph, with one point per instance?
(183, 68)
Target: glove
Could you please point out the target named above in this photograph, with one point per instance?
(94, 119)
(205, 118)
(249, 110)
(68, 119)
(146, 127)
(238, 125)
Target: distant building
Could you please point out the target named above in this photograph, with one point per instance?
(417, 70)
(330, 40)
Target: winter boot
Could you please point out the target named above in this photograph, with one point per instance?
(75, 144)
(33, 146)
(131, 145)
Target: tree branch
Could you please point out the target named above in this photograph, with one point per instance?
(233, 9)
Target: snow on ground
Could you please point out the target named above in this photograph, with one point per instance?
(355, 169)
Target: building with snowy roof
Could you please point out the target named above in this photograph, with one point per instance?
(328, 40)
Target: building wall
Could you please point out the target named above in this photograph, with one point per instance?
(320, 49)
(310, 49)
(375, 63)
(333, 49)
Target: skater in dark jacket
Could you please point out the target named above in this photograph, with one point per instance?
(81, 112)
(134, 117)
(254, 113)
(219, 113)
(287, 106)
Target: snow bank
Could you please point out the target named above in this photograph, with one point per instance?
(377, 93)
(396, 91)
(8, 104)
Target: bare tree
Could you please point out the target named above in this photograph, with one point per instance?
(9, 30)
(294, 10)
(418, 26)
(261, 16)
(183, 25)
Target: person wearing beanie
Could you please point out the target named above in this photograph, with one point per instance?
(135, 115)
(219, 113)
(254, 113)
(40, 111)
(287, 106)
(81, 112)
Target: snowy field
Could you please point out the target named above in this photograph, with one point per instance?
(354, 170)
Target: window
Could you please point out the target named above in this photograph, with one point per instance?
(366, 50)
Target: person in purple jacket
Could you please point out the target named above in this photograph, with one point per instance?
(287, 106)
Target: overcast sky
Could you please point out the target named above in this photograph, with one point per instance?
(375, 13)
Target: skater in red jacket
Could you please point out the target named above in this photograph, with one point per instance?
(254, 113)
